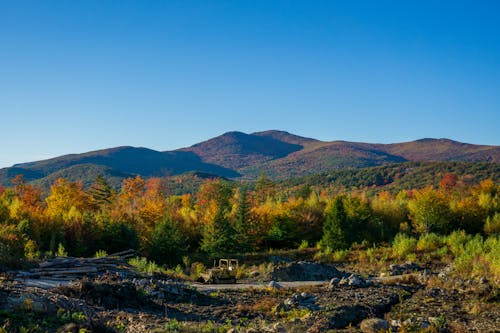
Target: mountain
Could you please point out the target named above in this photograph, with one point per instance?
(236, 150)
(281, 155)
(115, 164)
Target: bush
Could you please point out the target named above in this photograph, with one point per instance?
(143, 265)
(456, 241)
(403, 245)
(429, 242)
(492, 225)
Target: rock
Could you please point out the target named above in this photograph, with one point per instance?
(374, 325)
(275, 328)
(69, 328)
(343, 282)
(274, 285)
(355, 281)
(302, 300)
(278, 328)
(334, 282)
(305, 271)
(406, 268)
(279, 260)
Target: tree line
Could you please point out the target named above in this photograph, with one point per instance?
(223, 218)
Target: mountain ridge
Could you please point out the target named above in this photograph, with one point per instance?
(239, 155)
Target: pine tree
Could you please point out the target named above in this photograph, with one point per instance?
(100, 192)
(167, 244)
(218, 237)
(336, 226)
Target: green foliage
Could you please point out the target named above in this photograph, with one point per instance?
(480, 257)
(456, 241)
(143, 265)
(429, 211)
(492, 225)
(303, 245)
(241, 225)
(336, 226)
(403, 246)
(12, 245)
(167, 244)
(61, 251)
(117, 236)
(100, 254)
(429, 242)
(218, 237)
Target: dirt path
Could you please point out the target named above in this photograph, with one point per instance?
(256, 285)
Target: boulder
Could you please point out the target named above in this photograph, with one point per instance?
(334, 282)
(305, 271)
(374, 325)
(274, 285)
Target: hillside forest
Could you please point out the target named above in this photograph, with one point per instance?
(225, 218)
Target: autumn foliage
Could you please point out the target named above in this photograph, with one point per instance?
(225, 218)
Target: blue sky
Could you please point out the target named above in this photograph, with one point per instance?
(83, 75)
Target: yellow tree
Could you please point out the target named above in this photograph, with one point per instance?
(67, 200)
(429, 211)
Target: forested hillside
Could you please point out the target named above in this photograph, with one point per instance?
(235, 155)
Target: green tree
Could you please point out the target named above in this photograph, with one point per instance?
(167, 244)
(241, 224)
(336, 226)
(100, 192)
(429, 211)
(218, 238)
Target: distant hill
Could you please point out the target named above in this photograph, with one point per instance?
(281, 155)
(236, 150)
(397, 176)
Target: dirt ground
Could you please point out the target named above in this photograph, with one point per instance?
(417, 300)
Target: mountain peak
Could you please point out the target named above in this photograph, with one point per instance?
(286, 137)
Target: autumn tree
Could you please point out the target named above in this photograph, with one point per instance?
(429, 211)
(67, 200)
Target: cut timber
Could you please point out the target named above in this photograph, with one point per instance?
(69, 268)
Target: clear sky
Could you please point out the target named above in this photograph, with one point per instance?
(83, 75)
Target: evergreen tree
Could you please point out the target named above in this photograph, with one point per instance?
(100, 192)
(218, 237)
(336, 226)
(167, 244)
(242, 227)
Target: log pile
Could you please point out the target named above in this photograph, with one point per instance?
(69, 268)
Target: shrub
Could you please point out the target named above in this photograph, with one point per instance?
(340, 255)
(303, 245)
(143, 265)
(480, 257)
(456, 241)
(100, 254)
(403, 245)
(492, 224)
(429, 242)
